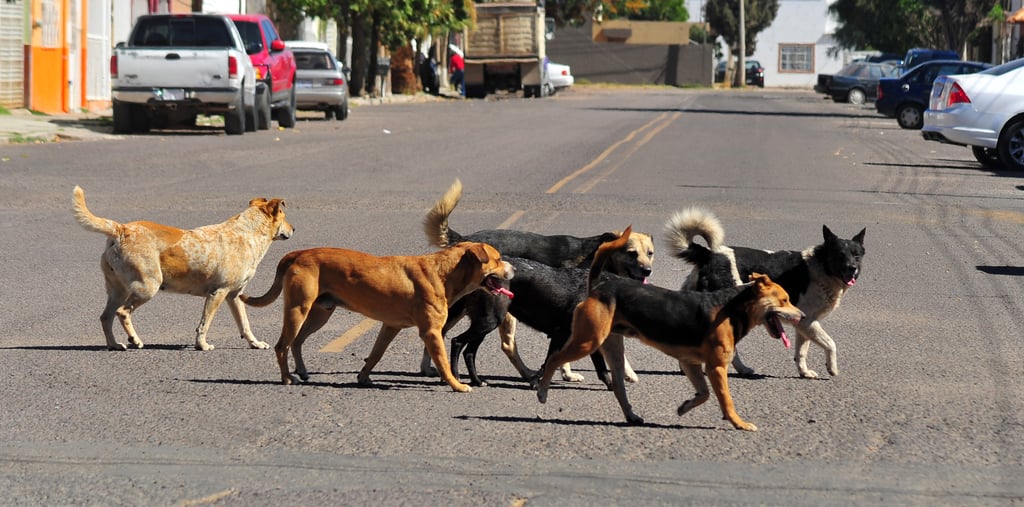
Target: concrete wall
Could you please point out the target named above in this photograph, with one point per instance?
(608, 62)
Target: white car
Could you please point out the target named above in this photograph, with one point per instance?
(320, 80)
(984, 111)
(559, 77)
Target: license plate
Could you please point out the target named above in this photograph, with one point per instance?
(172, 94)
(303, 83)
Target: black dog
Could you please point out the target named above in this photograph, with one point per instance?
(559, 251)
(816, 278)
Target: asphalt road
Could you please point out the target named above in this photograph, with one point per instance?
(928, 408)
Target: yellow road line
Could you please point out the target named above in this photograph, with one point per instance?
(357, 331)
(600, 158)
(338, 344)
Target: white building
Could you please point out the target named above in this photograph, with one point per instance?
(797, 46)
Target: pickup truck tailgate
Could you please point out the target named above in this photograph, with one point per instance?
(178, 67)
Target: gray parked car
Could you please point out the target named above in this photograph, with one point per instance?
(321, 81)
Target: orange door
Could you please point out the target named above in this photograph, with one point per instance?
(49, 81)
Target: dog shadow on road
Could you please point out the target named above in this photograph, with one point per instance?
(94, 348)
(1002, 270)
(577, 422)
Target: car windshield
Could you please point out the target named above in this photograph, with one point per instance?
(999, 70)
(313, 60)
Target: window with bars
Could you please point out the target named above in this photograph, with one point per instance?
(796, 58)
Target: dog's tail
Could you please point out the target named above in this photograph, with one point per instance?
(601, 257)
(275, 288)
(688, 224)
(435, 225)
(88, 220)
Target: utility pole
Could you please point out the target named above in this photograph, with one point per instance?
(741, 70)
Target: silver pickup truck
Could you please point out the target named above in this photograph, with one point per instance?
(177, 66)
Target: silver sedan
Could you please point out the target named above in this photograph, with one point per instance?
(320, 80)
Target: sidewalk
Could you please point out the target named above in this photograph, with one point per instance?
(24, 127)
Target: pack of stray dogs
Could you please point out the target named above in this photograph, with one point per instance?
(585, 293)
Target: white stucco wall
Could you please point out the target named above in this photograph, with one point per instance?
(797, 22)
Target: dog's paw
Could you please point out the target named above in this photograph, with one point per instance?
(542, 395)
(745, 426)
(833, 370)
(364, 381)
(634, 420)
(117, 346)
(632, 378)
(259, 345)
(572, 377)
(745, 371)
(290, 380)
(808, 374)
(204, 346)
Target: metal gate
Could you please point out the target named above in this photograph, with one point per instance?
(12, 53)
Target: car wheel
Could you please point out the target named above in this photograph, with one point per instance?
(329, 113)
(263, 109)
(341, 113)
(286, 114)
(122, 118)
(910, 116)
(1011, 146)
(250, 117)
(234, 120)
(987, 157)
(856, 96)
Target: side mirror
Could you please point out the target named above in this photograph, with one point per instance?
(277, 45)
(549, 28)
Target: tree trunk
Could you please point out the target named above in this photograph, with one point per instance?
(360, 64)
(403, 77)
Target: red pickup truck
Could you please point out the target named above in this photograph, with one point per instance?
(275, 69)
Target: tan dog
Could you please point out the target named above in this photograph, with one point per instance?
(697, 328)
(215, 262)
(398, 291)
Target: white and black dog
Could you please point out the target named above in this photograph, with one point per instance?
(816, 278)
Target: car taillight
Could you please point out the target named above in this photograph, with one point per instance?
(957, 96)
(261, 71)
(878, 92)
(232, 67)
(338, 82)
(565, 72)
(113, 66)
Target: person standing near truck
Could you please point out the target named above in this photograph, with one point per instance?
(456, 67)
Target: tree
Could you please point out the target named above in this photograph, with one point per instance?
(893, 26)
(646, 10)
(723, 17)
(393, 24)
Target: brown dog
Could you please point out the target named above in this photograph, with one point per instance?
(697, 328)
(398, 291)
(215, 262)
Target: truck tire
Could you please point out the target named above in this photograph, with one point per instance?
(263, 115)
(250, 118)
(234, 119)
(122, 118)
(140, 122)
(475, 91)
(286, 114)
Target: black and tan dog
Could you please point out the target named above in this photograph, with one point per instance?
(697, 328)
(561, 252)
(398, 291)
(816, 278)
(215, 262)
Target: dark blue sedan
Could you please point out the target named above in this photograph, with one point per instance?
(906, 97)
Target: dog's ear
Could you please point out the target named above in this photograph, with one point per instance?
(829, 236)
(859, 238)
(258, 201)
(610, 236)
(760, 279)
(477, 251)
